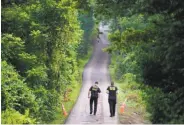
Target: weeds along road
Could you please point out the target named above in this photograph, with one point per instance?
(95, 70)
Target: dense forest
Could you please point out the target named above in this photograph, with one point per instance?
(43, 42)
(147, 40)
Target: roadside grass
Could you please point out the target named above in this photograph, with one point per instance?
(68, 105)
(135, 109)
(75, 90)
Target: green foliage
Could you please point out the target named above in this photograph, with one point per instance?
(147, 35)
(87, 25)
(10, 42)
(11, 116)
(40, 42)
(38, 76)
(15, 93)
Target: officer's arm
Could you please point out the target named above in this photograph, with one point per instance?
(99, 91)
(89, 92)
(107, 91)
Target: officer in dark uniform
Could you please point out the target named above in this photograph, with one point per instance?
(112, 91)
(94, 91)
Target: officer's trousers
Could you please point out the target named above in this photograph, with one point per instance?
(93, 99)
(112, 106)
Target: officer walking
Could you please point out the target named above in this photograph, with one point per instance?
(112, 91)
(94, 91)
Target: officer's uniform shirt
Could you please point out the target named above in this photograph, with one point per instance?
(94, 91)
(112, 91)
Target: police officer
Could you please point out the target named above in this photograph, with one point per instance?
(112, 91)
(94, 91)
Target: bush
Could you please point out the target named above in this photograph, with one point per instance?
(15, 93)
(11, 116)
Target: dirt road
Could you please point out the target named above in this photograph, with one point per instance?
(95, 70)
